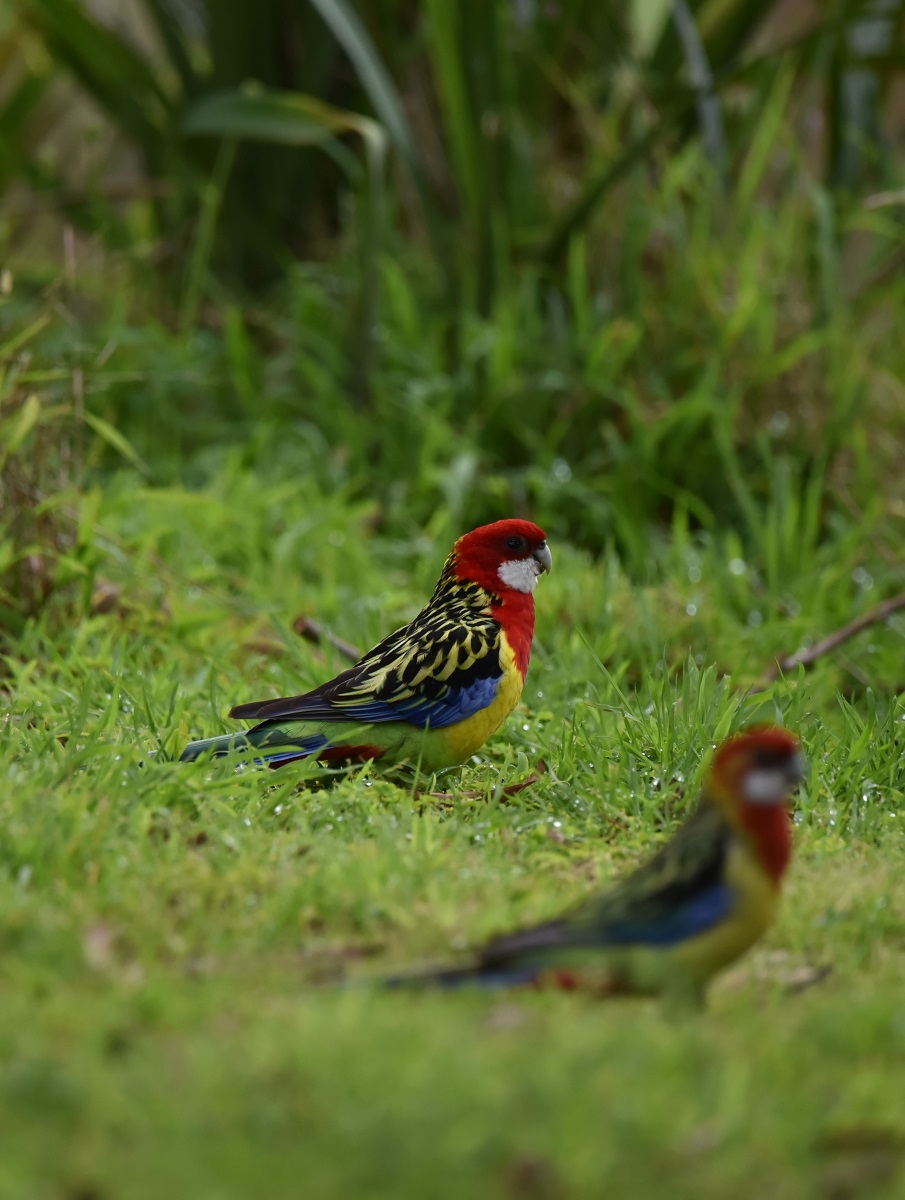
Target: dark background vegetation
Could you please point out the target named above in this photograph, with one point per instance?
(620, 265)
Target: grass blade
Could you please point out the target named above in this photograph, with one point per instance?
(701, 76)
(354, 39)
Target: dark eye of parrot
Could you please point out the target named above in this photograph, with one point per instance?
(770, 758)
(516, 543)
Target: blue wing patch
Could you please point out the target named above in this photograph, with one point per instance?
(695, 916)
(456, 705)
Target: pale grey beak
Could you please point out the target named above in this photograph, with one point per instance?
(797, 768)
(543, 557)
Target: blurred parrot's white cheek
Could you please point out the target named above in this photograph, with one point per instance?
(765, 785)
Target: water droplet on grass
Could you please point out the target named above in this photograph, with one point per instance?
(779, 423)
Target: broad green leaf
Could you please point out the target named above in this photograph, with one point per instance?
(255, 112)
(288, 118)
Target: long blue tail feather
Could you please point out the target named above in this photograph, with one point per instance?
(258, 742)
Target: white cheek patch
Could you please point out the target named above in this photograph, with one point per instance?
(765, 785)
(520, 573)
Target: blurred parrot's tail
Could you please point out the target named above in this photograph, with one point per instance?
(450, 978)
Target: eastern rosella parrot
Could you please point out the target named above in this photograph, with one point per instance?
(432, 692)
(698, 904)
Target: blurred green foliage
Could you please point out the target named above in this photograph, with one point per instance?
(511, 120)
(622, 265)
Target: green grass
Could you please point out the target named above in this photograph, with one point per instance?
(703, 408)
(173, 936)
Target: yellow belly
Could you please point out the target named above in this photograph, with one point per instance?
(681, 971)
(686, 968)
(756, 901)
(466, 738)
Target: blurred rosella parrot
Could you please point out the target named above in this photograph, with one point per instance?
(432, 692)
(668, 927)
